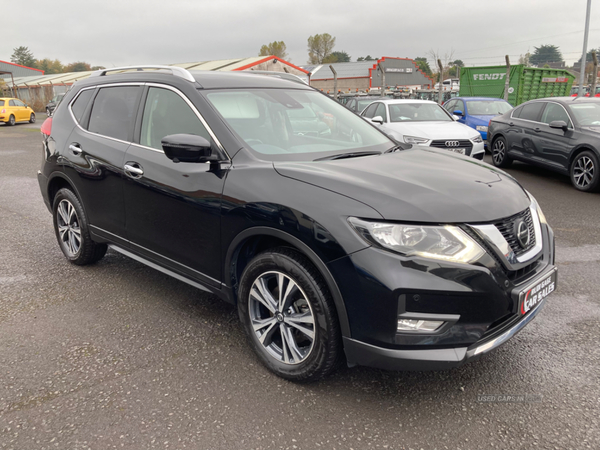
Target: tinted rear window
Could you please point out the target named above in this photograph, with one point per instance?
(81, 102)
(113, 112)
(531, 111)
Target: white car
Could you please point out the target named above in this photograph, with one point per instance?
(426, 123)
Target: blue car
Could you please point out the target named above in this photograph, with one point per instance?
(477, 112)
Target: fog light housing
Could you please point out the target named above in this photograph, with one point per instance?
(424, 326)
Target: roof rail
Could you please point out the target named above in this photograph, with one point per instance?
(176, 71)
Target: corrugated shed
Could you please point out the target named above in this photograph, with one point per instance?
(17, 70)
(359, 69)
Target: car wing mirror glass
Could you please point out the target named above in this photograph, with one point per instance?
(560, 124)
(377, 119)
(187, 148)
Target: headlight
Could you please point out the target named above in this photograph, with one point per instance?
(477, 139)
(447, 242)
(415, 140)
(537, 208)
(481, 128)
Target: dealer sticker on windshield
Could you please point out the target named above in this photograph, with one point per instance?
(536, 293)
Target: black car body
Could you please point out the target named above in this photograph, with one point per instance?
(397, 258)
(560, 134)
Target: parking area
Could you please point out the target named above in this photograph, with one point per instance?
(118, 355)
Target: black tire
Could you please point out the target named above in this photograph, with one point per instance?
(499, 155)
(32, 118)
(306, 303)
(11, 120)
(72, 231)
(48, 112)
(585, 172)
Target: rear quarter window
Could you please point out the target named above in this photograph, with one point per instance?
(1, 102)
(80, 103)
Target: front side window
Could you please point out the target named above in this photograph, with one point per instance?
(459, 106)
(166, 113)
(113, 112)
(553, 112)
(380, 111)
(19, 103)
(295, 124)
(418, 112)
(370, 111)
(449, 106)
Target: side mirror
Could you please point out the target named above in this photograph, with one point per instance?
(377, 119)
(458, 112)
(560, 124)
(187, 148)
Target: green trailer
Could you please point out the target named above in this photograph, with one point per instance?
(525, 83)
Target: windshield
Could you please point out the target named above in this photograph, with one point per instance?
(362, 104)
(587, 113)
(418, 112)
(295, 124)
(487, 107)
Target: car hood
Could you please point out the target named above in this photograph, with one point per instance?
(481, 120)
(432, 130)
(417, 185)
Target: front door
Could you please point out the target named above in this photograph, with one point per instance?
(173, 209)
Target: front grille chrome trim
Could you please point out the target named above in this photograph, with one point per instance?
(500, 246)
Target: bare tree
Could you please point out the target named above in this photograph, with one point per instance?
(446, 59)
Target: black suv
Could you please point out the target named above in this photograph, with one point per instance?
(333, 244)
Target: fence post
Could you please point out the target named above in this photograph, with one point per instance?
(441, 83)
(594, 75)
(335, 93)
(507, 81)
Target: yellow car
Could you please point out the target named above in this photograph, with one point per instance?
(13, 110)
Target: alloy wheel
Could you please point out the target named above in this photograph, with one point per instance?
(282, 317)
(68, 227)
(498, 151)
(583, 171)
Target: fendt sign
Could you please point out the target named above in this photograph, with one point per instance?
(488, 76)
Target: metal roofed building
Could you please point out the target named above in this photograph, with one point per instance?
(41, 88)
(364, 75)
(8, 70)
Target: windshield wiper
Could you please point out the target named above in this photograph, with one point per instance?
(348, 155)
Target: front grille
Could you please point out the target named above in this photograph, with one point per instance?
(441, 143)
(507, 228)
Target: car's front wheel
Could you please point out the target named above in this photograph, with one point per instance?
(289, 315)
(32, 118)
(499, 156)
(72, 232)
(585, 172)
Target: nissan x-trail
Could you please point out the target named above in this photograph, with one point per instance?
(335, 242)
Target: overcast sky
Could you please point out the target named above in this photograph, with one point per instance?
(114, 33)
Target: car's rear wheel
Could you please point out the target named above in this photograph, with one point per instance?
(289, 315)
(72, 231)
(32, 118)
(585, 172)
(499, 156)
(11, 120)
(48, 111)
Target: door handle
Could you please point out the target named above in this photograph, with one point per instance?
(75, 149)
(133, 170)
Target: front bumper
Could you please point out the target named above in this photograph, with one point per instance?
(360, 353)
(479, 304)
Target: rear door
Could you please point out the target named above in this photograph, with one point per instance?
(522, 137)
(95, 153)
(173, 209)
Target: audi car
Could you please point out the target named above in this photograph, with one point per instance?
(425, 123)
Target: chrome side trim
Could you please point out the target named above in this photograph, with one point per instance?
(175, 70)
(157, 267)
